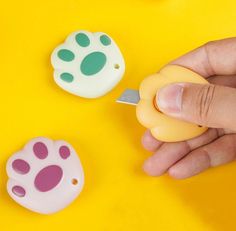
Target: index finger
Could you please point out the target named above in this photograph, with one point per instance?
(213, 58)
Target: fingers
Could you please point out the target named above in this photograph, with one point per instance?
(213, 58)
(149, 142)
(205, 104)
(219, 152)
(169, 153)
(229, 81)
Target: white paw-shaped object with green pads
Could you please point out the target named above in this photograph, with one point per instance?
(88, 64)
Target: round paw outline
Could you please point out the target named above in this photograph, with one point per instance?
(45, 176)
(88, 64)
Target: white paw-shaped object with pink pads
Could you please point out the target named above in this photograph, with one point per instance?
(45, 176)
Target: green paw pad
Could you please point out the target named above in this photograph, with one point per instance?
(82, 39)
(66, 55)
(93, 63)
(105, 40)
(67, 77)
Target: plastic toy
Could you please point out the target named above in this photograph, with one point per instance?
(45, 176)
(163, 127)
(88, 64)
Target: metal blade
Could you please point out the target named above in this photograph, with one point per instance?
(129, 96)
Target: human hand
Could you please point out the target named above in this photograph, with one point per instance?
(212, 105)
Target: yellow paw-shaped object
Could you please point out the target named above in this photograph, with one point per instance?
(163, 127)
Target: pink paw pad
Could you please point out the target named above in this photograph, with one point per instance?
(40, 150)
(42, 176)
(64, 152)
(20, 166)
(18, 191)
(48, 178)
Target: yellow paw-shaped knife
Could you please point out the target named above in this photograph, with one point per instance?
(163, 127)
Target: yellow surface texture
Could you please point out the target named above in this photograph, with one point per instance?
(117, 194)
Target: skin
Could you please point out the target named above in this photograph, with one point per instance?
(211, 105)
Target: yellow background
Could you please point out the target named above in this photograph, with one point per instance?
(117, 194)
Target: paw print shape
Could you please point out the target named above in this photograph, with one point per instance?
(163, 127)
(45, 176)
(88, 64)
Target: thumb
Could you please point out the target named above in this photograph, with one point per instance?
(204, 104)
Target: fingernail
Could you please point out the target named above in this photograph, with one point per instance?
(169, 98)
